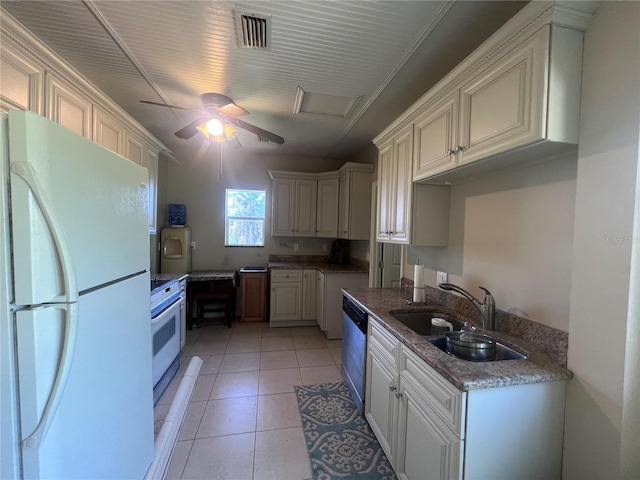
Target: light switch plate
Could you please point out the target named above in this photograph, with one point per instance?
(441, 277)
(296, 247)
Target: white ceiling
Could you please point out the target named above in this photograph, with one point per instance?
(384, 54)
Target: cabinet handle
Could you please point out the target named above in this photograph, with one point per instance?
(392, 389)
(398, 394)
(459, 148)
(450, 151)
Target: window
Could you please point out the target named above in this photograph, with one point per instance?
(244, 218)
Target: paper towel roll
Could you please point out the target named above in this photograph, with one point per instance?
(418, 283)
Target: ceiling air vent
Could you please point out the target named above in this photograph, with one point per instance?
(254, 30)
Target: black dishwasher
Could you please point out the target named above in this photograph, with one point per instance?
(354, 349)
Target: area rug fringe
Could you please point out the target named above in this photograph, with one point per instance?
(339, 440)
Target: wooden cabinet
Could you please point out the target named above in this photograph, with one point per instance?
(327, 205)
(395, 188)
(68, 107)
(21, 81)
(430, 429)
(293, 206)
(355, 201)
(253, 288)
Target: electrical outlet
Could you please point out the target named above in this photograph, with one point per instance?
(296, 247)
(193, 245)
(442, 277)
(324, 247)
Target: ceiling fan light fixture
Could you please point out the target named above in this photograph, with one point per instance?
(215, 127)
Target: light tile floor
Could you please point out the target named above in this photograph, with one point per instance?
(243, 420)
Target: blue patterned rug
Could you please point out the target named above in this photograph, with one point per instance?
(340, 442)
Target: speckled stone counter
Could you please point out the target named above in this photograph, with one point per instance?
(465, 375)
(323, 267)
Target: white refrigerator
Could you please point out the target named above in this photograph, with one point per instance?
(75, 338)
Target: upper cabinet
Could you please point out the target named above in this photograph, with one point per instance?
(68, 107)
(328, 204)
(21, 81)
(394, 188)
(517, 97)
(34, 78)
(293, 202)
(354, 217)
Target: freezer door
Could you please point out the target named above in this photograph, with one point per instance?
(103, 426)
(77, 209)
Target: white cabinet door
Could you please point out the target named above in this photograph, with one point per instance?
(385, 192)
(21, 82)
(293, 205)
(327, 208)
(68, 108)
(309, 295)
(380, 399)
(320, 301)
(503, 108)
(343, 211)
(402, 176)
(286, 302)
(108, 131)
(305, 208)
(426, 447)
(150, 162)
(436, 138)
(282, 206)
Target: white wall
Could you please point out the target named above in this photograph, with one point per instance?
(197, 183)
(511, 232)
(603, 318)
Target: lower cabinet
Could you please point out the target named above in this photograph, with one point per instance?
(292, 299)
(329, 299)
(431, 430)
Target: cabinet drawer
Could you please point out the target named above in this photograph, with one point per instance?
(386, 343)
(286, 276)
(447, 401)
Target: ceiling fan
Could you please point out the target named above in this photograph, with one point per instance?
(217, 119)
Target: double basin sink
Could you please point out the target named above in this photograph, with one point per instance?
(420, 322)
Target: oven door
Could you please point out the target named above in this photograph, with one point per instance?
(165, 333)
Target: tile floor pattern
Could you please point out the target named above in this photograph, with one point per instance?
(243, 420)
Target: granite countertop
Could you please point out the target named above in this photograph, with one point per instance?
(465, 375)
(323, 267)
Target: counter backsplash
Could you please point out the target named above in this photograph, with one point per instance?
(554, 342)
(315, 258)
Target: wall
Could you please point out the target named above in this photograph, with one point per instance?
(602, 434)
(198, 183)
(511, 231)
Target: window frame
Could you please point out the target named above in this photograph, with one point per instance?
(227, 218)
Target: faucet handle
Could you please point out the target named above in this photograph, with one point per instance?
(487, 294)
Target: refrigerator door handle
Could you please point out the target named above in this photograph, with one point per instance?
(28, 174)
(34, 440)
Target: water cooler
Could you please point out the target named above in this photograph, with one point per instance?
(175, 249)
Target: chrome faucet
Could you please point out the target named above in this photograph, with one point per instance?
(487, 309)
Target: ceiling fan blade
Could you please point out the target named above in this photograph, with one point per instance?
(170, 106)
(191, 129)
(233, 110)
(257, 130)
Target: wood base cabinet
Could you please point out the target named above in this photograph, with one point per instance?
(253, 288)
(430, 429)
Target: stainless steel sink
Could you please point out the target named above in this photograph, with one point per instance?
(502, 351)
(420, 322)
